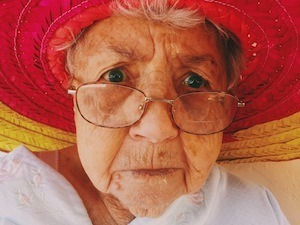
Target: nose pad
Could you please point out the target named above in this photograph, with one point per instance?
(156, 124)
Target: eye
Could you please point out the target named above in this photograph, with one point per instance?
(115, 75)
(195, 81)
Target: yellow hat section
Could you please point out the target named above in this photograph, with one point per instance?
(277, 140)
(16, 129)
(272, 141)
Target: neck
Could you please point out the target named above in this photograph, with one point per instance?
(102, 208)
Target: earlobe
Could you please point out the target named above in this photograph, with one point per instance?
(74, 102)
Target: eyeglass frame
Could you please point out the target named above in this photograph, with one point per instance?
(73, 91)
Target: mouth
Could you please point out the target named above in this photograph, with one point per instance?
(154, 172)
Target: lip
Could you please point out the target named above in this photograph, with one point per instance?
(154, 172)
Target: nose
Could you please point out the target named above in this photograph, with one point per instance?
(156, 124)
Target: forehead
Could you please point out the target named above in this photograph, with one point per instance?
(138, 42)
(121, 31)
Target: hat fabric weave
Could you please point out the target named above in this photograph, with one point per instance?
(35, 109)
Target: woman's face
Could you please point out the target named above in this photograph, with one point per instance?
(151, 163)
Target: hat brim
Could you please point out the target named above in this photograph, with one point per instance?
(33, 76)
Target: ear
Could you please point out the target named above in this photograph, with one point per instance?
(74, 103)
(73, 85)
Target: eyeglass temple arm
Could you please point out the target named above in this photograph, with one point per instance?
(71, 92)
(241, 104)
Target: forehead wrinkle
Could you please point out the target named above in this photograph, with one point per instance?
(129, 53)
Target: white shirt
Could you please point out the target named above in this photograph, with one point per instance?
(32, 193)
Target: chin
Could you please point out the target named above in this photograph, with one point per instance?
(147, 194)
(151, 212)
(150, 204)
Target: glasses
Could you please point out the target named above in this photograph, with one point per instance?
(118, 106)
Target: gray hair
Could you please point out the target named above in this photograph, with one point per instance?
(158, 11)
(161, 12)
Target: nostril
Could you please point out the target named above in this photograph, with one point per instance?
(153, 135)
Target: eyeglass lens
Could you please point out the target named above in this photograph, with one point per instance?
(114, 106)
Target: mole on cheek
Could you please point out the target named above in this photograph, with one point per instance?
(194, 152)
(117, 178)
(117, 186)
(161, 155)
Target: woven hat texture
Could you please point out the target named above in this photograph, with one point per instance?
(35, 109)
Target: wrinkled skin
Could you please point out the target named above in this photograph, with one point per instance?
(150, 164)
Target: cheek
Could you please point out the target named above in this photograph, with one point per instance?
(202, 147)
(97, 148)
(201, 154)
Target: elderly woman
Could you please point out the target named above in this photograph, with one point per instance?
(152, 83)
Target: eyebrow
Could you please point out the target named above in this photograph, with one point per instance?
(197, 60)
(127, 53)
(130, 53)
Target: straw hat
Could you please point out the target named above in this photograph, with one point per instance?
(35, 109)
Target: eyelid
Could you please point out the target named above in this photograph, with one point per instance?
(105, 70)
(128, 78)
(203, 74)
